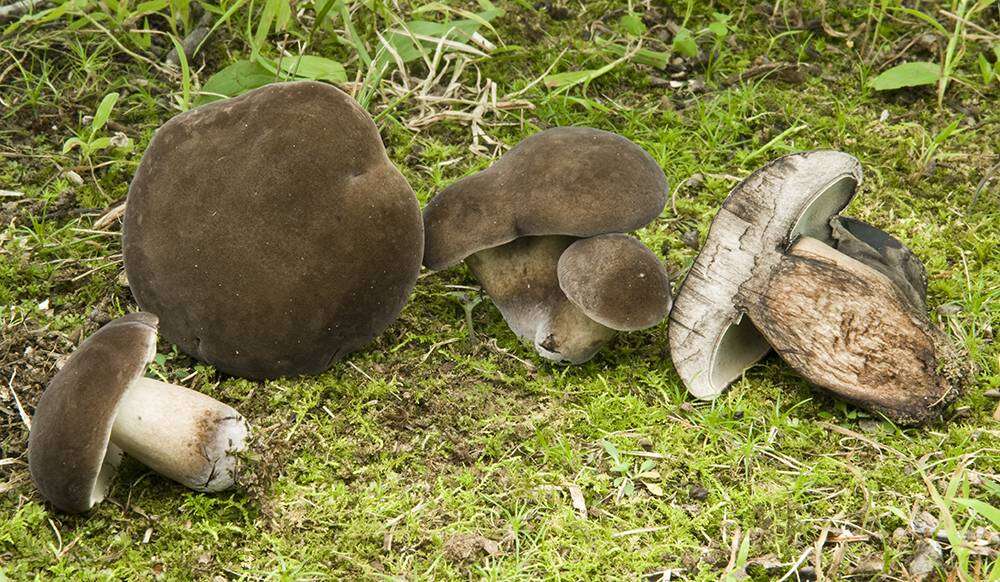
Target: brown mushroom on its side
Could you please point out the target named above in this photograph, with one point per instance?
(99, 404)
(513, 222)
(270, 232)
(841, 301)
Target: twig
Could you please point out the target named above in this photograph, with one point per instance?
(10, 194)
(850, 433)
(17, 8)
(17, 402)
(795, 565)
(970, 24)
(109, 217)
(641, 530)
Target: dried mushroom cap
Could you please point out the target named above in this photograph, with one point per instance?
(572, 181)
(71, 428)
(521, 278)
(616, 281)
(881, 251)
(711, 341)
(843, 326)
(270, 232)
(99, 404)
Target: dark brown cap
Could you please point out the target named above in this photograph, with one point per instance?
(68, 452)
(572, 181)
(270, 232)
(616, 281)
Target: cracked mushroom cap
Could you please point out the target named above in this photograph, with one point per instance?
(711, 340)
(270, 232)
(616, 281)
(68, 448)
(572, 181)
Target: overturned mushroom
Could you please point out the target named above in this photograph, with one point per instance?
(841, 301)
(99, 405)
(512, 223)
(270, 232)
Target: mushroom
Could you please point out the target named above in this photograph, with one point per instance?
(513, 222)
(522, 279)
(99, 405)
(270, 232)
(616, 281)
(841, 301)
(573, 181)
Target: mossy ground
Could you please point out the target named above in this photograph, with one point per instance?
(429, 456)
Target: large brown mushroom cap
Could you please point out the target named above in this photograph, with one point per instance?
(568, 181)
(270, 232)
(72, 424)
(616, 281)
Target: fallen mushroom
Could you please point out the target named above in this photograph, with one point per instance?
(512, 222)
(841, 301)
(99, 405)
(270, 232)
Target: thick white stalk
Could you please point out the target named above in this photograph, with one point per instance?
(181, 434)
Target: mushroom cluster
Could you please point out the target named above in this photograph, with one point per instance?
(842, 302)
(542, 231)
(270, 232)
(100, 405)
(270, 235)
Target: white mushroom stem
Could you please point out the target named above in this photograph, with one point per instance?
(181, 434)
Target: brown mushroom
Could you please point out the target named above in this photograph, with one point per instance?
(512, 222)
(270, 232)
(99, 404)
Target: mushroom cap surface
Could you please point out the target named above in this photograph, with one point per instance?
(711, 342)
(521, 277)
(71, 428)
(616, 281)
(270, 232)
(574, 181)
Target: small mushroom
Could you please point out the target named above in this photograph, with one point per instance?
(99, 405)
(270, 232)
(512, 222)
(522, 279)
(616, 281)
(780, 269)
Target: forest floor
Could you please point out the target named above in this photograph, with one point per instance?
(427, 455)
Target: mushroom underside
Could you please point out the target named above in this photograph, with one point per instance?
(522, 280)
(712, 342)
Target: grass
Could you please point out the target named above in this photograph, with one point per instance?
(428, 456)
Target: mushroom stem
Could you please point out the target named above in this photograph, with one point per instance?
(521, 277)
(846, 327)
(180, 433)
